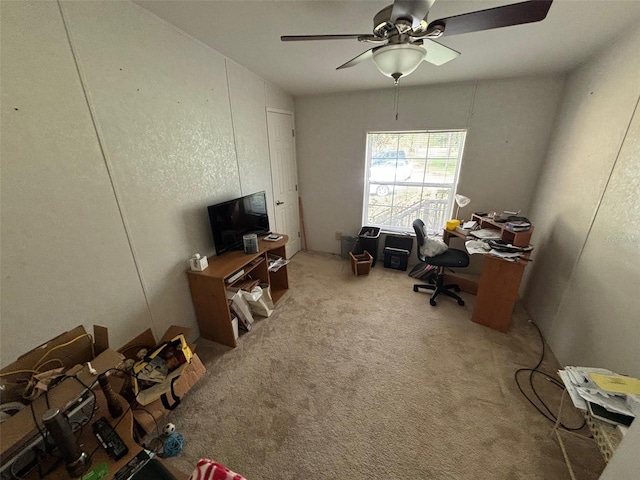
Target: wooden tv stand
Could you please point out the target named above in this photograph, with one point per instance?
(209, 287)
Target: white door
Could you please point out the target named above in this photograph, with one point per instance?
(284, 177)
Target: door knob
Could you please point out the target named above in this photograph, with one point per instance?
(278, 202)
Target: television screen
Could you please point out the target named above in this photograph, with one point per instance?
(235, 218)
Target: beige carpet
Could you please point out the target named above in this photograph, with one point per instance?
(359, 378)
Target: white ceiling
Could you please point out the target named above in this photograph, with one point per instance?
(249, 33)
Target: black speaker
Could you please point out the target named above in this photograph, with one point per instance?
(58, 426)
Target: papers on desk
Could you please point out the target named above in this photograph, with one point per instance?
(479, 246)
(505, 255)
(476, 246)
(486, 234)
(582, 388)
(617, 383)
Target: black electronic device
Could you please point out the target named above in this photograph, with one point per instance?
(153, 470)
(144, 467)
(109, 438)
(601, 413)
(133, 466)
(57, 424)
(232, 219)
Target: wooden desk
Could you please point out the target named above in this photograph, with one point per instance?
(497, 289)
(209, 287)
(497, 292)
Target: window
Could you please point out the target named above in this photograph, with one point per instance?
(411, 175)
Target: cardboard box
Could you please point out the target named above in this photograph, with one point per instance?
(152, 415)
(148, 341)
(73, 348)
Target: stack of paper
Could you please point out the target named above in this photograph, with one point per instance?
(486, 234)
(616, 393)
(476, 246)
(505, 255)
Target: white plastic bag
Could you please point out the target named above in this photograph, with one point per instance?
(253, 296)
(240, 308)
(266, 296)
(432, 246)
(259, 301)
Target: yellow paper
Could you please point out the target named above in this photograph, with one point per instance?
(617, 383)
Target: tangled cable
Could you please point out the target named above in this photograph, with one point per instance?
(173, 444)
(548, 414)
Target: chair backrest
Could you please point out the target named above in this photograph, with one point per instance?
(418, 227)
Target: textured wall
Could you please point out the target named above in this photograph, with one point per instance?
(98, 220)
(247, 94)
(508, 124)
(65, 256)
(161, 102)
(582, 289)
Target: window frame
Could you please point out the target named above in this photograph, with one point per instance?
(448, 210)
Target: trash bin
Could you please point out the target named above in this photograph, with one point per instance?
(347, 245)
(368, 240)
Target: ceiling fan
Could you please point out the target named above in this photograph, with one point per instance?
(406, 39)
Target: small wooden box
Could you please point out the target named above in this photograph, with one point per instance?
(361, 263)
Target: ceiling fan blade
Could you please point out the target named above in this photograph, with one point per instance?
(505, 16)
(356, 60)
(414, 10)
(439, 54)
(297, 38)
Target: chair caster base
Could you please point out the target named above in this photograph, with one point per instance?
(432, 302)
(461, 303)
(415, 288)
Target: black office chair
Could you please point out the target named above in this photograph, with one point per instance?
(449, 259)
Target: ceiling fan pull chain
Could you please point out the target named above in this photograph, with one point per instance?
(395, 103)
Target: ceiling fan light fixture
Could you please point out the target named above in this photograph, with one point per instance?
(392, 60)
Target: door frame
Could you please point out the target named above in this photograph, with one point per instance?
(295, 155)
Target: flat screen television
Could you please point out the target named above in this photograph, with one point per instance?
(235, 218)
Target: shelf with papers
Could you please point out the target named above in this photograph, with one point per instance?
(519, 239)
(209, 287)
